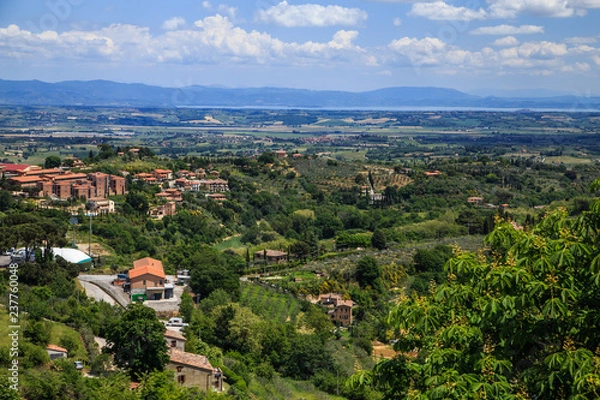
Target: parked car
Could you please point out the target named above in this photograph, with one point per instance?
(18, 256)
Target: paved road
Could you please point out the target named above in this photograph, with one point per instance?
(104, 283)
(4, 261)
(95, 292)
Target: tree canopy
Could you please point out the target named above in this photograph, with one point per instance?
(136, 341)
(520, 321)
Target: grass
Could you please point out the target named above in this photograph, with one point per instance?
(57, 332)
(233, 242)
(287, 389)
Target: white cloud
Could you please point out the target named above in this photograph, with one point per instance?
(441, 11)
(506, 41)
(501, 9)
(227, 10)
(585, 3)
(288, 15)
(207, 5)
(503, 30)
(426, 51)
(173, 23)
(212, 40)
(397, 21)
(581, 40)
(545, 8)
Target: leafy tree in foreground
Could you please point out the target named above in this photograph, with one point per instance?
(522, 324)
(136, 341)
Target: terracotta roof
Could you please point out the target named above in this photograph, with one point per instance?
(15, 167)
(190, 359)
(147, 261)
(70, 176)
(49, 171)
(174, 334)
(27, 179)
(54, 347)
(147, 270)
(147, 265)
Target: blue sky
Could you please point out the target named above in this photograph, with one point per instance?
(470, 45)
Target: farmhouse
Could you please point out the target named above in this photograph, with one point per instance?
(194, 370)
(148, 278)
(55, 352)
(275, 256)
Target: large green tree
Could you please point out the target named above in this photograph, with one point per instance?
(136, 341)
(520, 322)
(212, 270)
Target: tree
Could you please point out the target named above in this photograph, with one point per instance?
(521, 323)
(6, 200)
(378, 240)
(186, 307)
(368, 272)
(138, 202)
(212, 270)
(52, 162)
(136, 341)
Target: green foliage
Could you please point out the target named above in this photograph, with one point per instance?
(379, 240)
(307, 357)
(186, 307)
(521, 324)
(212, 270)
(368, 273)
(136, 341)
(38, 333)
(52, 162)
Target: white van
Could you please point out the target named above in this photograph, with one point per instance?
(176, 322)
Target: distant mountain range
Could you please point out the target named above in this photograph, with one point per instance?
(107, 93)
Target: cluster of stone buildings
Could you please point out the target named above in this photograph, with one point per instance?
(339, 310)
(63, 184)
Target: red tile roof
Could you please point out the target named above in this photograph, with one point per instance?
(145, 266)
(54, 347)
(15, 167)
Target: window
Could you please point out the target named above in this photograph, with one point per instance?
(179, 368)
(144, 282)
(174, 344)
(181, 379)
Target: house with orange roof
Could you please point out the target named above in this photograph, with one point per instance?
(162, 174)
(55, 352)
(147, 280)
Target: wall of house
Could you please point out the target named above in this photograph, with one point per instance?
(150, 281)
(194, 377)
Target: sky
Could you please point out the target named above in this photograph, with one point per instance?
(477, 46)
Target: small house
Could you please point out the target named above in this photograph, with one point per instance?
(55, 352)
(274, 256)
(194, 370)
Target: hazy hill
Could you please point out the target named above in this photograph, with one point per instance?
(107, 93)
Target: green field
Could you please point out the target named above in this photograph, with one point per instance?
(270, 304)
(57, 332)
